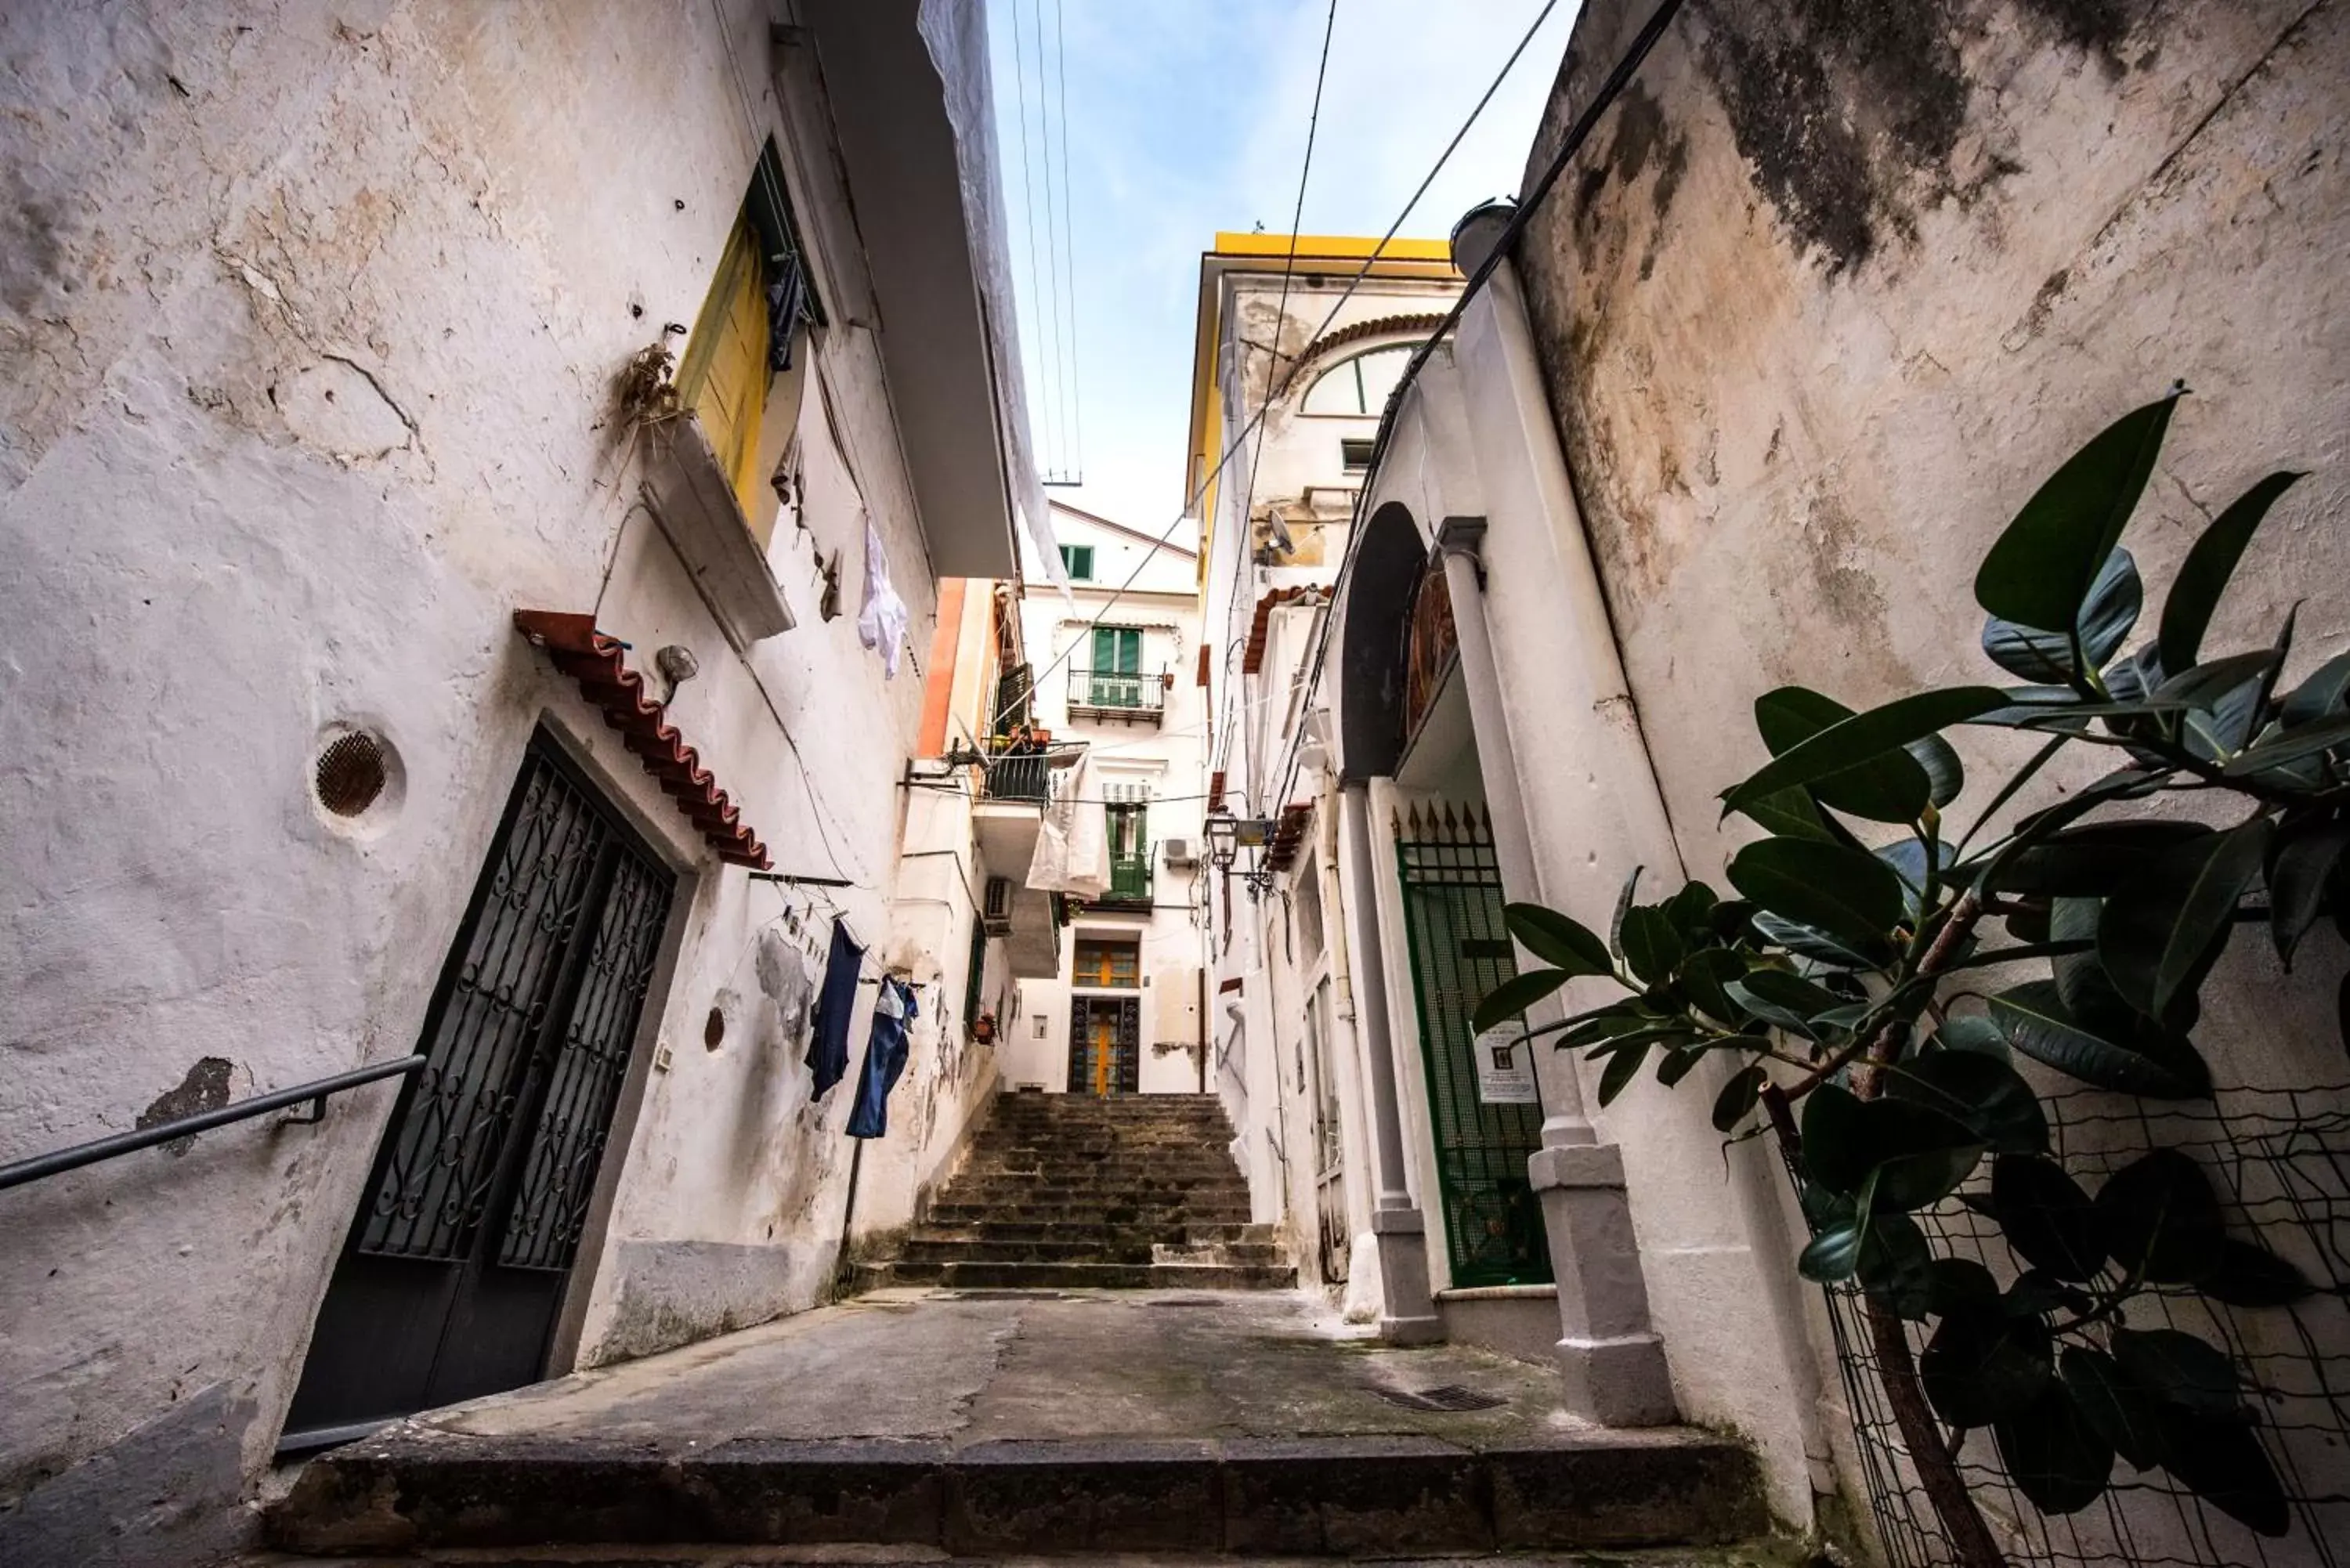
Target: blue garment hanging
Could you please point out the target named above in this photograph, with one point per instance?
(885, 1058)
(827, 1053)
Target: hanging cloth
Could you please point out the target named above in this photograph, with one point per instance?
(788, 979)
(881, 624)
(828, 1055)
(1072, 853)
(885, 1059)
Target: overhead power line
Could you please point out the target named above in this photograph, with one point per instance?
(1580, 131)
(1240, 436)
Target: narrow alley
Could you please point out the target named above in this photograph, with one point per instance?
(1011, 781)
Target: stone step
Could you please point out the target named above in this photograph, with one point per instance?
(418, 1493)
(1015, 1231)
(1097, 1277)
(1168, 1217)
(1011, 1194)
(921, 1249)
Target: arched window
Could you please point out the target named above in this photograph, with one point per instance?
(1359, 384)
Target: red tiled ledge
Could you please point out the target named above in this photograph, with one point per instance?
(596, 662)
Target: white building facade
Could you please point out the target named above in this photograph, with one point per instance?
(476, 516)
(1115, 672)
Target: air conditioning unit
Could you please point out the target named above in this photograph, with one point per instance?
(997, 918)
(1180, 852)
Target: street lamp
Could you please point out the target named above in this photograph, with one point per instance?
(1224, 839)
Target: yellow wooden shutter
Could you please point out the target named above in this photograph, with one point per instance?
(725, 377)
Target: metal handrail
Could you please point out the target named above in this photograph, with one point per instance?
(1119, 690)
(18, 1172)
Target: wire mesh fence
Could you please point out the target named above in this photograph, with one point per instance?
(2280, 1160)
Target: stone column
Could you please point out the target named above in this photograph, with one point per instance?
(1612, 1361)
(1410, 1316)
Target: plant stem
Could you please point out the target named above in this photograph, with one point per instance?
(1937, 1469)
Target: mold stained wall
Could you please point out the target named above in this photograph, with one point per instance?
(1833, 287)
(310, 315)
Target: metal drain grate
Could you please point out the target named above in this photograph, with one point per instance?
(1448, 1396)
(1003, 1295)
(349, 774)
(1184, 1301)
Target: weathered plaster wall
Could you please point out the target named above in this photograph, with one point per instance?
(309, 315)
(1835, 286)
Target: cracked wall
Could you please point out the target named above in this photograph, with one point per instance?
(309, 318)
(1836, 283)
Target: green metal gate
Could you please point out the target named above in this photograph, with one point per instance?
(1460, 950)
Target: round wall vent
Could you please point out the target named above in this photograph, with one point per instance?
(351, 772)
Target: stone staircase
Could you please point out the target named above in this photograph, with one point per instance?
(1071, 1191)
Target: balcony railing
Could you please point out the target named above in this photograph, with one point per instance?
(1130, 879)
(1111, 694)
(1027, 779)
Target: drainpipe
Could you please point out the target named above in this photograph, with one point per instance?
(1408, 1317)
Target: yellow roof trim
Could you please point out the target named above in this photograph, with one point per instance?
(1313, 255)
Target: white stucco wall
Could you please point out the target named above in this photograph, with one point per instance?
(310, 317)
(1139, 582)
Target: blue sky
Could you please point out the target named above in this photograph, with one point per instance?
(1188, 116)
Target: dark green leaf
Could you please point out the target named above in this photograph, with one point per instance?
(1704, 977)
(2037, 1292)
(1514, 995)
(1961, 1285)
(1557, 939)
(1623, 907)
(2118, 1409)
(2160, 1221)
(1651, 946)
(2195, 592)
(1789, 813)
(2299, 872)
(1882, 790)
(2222, 1462)
(2251, 1276)
(2180, 1369)
(2105, 619)
(2095, 860)
(1622, 1068)
(1848, 893)
(2290, 745)
(1984, 1366)
(2039, 569)
(2134, 679)
(1922, 1181)
(2036, 1022)
(1790, 992)
(1945, 776)
(1677, 1063)
(1691, 911)
(1895, 1266)
(1609, 1022)
(1990, 1097)
(1970, 1033)
(1804, 941)
(1831, 1255)
(1736, 1099)
(2047, 1216)
(2054, 1454)
(2162, 931)
(1850, 743)
(1907, 858)
(2204, 685)
(2319, 695)
(1837, 1150)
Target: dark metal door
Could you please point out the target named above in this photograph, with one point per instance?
(1105, 1045)
(455, 1270)
(1460, 950)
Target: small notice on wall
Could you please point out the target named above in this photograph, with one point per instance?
(1505, 1069)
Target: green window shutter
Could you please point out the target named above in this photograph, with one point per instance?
(1105, 649)
(1130, 651)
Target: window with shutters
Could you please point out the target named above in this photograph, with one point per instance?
(1107, 962)
(1078, 560)
(1114, 678)
(745, 361)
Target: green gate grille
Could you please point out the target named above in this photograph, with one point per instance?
(1460, 950)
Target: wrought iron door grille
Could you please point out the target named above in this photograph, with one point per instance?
(490, 1041)
(588, 1061)
(1459, 950)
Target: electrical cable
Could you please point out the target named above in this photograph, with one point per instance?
(1371, 259)
(1273, 378)
(1069, 244)
(1577, 133)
